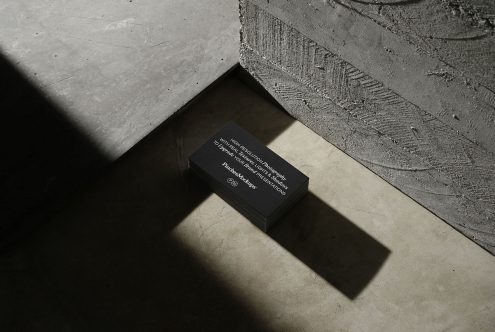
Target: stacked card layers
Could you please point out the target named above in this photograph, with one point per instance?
(253, 179)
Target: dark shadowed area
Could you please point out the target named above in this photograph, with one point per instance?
(331, 245)
(109, 263)
(45, 157)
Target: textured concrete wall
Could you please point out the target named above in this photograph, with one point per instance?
(405, 87)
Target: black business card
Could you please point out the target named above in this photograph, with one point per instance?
(248, 175)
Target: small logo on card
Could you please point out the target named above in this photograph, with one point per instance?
(232, 182)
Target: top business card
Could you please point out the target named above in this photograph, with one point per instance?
(248, 175)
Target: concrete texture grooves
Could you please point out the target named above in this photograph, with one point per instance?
(443, 166)
(460, 33)
(453, 96)
(149, 248)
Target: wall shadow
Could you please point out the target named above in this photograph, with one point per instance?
(331, 245)
(108, 261)
(45, 157)
(328, 243)
(119, 280)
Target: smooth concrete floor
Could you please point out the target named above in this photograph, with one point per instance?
(149, 248)
(120, 68)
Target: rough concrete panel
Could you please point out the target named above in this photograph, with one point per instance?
(459, 32)
(451, 94)
(414, 150)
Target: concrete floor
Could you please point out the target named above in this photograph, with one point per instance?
(120, 68)
(81, 82)
(148, 247)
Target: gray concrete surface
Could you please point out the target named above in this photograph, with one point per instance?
(149, 248)
(81, 82)
(404, 88)
(120, 68)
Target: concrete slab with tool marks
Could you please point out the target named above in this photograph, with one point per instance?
(406, 88)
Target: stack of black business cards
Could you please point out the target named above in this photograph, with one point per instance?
(249, 176)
